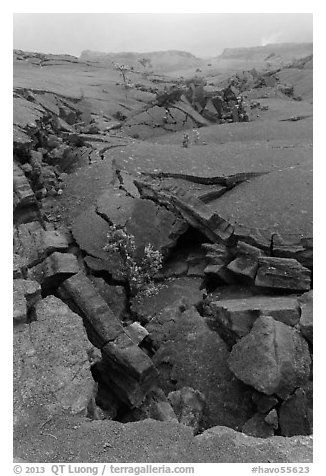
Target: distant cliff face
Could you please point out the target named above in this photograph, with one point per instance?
(270, 52)
(160, 61)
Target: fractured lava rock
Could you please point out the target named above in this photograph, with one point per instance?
(272, 358)
(235, 317)
(191, 355)
(26, 295)
(23, 194)
(155, 406)
(54, 269)
(189, 406)
(257, 426)
(34, 243)
(282, 273)
(296, 412)
(51, 368)
(124, 367)
(115, 296)
(150, 223)
(306, 318)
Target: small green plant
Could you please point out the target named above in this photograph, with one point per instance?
(140, 271)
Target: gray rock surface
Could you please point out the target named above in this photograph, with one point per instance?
(273, 358)
(296, 413)
(34, 243)
(306, 318)
(25, 296)
(189, 406)
(54, 269)
(149, 441)
(237, 316)
(51, 368)
(257, 426)
(190, 354)
(124, 366)
(282, 273)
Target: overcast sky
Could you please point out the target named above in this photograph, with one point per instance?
(203, 34)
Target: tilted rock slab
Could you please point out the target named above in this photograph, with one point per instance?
(273, 358)
(126, 368)
(282, 273)
(237, 316)
(190, 208)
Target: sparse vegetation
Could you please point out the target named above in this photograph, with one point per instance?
(141, 271)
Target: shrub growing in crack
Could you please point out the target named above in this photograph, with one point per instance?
(140, 271)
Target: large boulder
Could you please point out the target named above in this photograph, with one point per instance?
(51, 368)
(272, 358)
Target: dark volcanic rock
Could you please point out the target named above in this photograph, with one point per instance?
(236, 316)
(273, 358)
(282, 273)
(244, 448)
(19, 266)
(272, 419)
(192, 355)
(101, 324)
(299, 248)
(191, 209)
(296, 413)
(114, 296)
(124, 368)
(306, 319)
(51, 368)
(150, 223)
(189, 406)
(23, 194)
(155, 406)
(54, 269)
(26, 295)
(127, 370)
(34, 243)
(264, 402)
(246, 262)
(186, 288)
(144, 219)
(257, 426)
